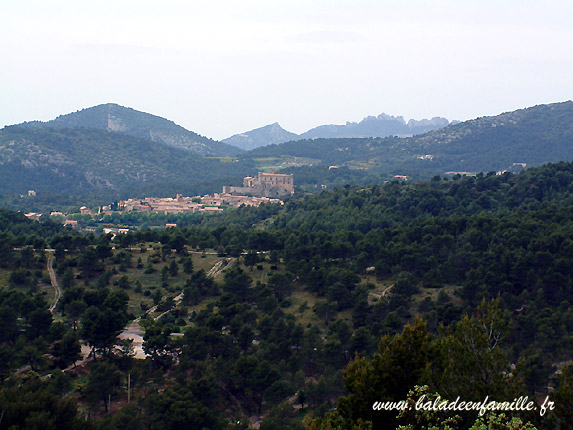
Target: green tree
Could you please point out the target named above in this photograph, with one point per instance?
(188, 265)
(103, 251)
(475, 364)
(67, 350)
(31, 405)
(103, 382)
(74, 310)
(27, 257)
(158, 345)
(68, 278)
(251, 258)
(237, 282)
(281, 285)
(101, 326)
(173, 269)
(400, 363)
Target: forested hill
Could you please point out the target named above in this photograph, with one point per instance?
(533, 136)
(366, 209)
(459, 288)
(119, 119)
(79, 160)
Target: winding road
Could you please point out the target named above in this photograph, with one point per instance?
(54, 281)
(134, 331)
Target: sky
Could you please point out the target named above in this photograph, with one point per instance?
(221, 67)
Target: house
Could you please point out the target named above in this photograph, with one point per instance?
(33, 215)
(71, 223)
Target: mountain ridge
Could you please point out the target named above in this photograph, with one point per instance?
(80, 160)
(266, 135)
(113, 117)
(382, 125)
(54, 158)
(530, 136)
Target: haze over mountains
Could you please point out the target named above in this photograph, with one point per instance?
(114, 149)
(380, 126)
(268, 135)
(531, 136)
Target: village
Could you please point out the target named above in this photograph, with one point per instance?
(263, 188)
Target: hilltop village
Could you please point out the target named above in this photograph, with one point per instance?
(263, 188)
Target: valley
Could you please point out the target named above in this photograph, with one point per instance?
(365, 281)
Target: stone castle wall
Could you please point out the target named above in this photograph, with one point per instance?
(264, 185)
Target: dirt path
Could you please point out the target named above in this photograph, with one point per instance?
(54, 281)
(386, 290)
(134, 331)
(219, 267)
(379, 296)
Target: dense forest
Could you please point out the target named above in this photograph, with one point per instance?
(302, 315)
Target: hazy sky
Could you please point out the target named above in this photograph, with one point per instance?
(223, 67)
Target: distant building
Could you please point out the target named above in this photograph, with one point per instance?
(33, 215)
(71, 223)
(31, 193)
(85, 211)
(264, 185)
(234, 200)
(212, 209)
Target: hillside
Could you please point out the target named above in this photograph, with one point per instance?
(533, 136)
(265, 315)
(80, 160)
(114, 118)
(267, 135)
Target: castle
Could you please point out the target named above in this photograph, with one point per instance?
(264, 185)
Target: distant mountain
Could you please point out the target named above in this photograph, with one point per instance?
(525, 137)
(263, 136)
(79, 160)
(372, 126)
(115, 118)
(377, 126)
